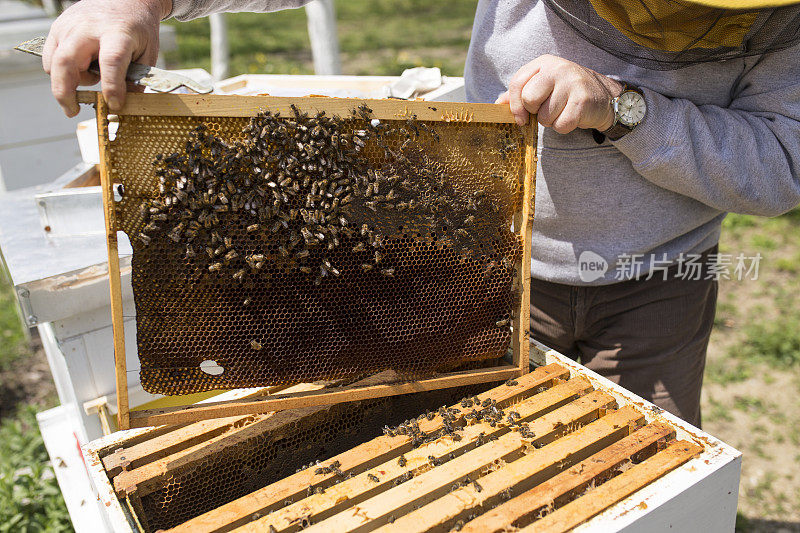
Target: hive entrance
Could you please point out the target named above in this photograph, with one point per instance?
(294, 244)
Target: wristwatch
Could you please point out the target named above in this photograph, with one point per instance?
(629, 110)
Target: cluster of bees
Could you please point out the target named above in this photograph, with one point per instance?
(473, 410)
(296, 189)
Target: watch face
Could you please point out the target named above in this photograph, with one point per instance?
(631, 108)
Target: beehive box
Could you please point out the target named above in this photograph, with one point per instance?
(555, 449)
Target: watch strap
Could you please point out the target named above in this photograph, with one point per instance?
(618, 129)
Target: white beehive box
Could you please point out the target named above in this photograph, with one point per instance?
(699, 495)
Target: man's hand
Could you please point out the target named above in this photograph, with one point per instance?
(115, 32)
(563, 95)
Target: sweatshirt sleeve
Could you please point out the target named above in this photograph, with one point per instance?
(743, 158)
(192, 9)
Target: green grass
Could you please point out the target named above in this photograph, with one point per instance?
(30, 500)
(13, 340)
(379, 37)
(728, 371)
(775, 341)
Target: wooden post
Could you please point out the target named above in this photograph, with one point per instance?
(114, 281)
(220, 53)
(322, 34)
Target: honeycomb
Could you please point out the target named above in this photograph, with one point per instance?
(262, 459)
(297, 248)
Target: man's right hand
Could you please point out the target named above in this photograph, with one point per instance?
(115, 32)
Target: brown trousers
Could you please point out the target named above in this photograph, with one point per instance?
(650, 336)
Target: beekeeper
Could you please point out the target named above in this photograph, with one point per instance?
(658, 116)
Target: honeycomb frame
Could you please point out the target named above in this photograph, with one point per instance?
(151, 106)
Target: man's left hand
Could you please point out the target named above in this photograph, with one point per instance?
(562, 94)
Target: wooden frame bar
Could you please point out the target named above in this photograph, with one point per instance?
(582, 509)
(357, 460)
(114, 278)
(429, 481)
(145, 467)
(245, 106)
(186, 105)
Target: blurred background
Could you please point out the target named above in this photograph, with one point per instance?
(751, 397)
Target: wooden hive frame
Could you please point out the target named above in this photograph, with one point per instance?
(245, 106)
(593, 446)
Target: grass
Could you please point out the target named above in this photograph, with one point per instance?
(13, 339)
(30, 499)
(752, 391)
(775, 341)
(377, 37)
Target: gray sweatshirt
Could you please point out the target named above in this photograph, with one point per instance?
(717, 137)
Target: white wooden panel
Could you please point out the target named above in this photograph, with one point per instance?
(56, 426)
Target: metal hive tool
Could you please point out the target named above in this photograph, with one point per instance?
(308, 239)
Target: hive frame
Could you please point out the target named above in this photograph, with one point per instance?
(246, 106)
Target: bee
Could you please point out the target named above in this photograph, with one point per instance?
(373, 478)
(366, 267)
(255, 345)
(175, 234)
(502, 323)
(152, 226)
(247, 301)
(214, 267)
(388, 272)
(305, 269)
(231, 255)
(512, 383)
(144, 239)
(402, 462)
(378, 257)
(359, 247)
(239, 276)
